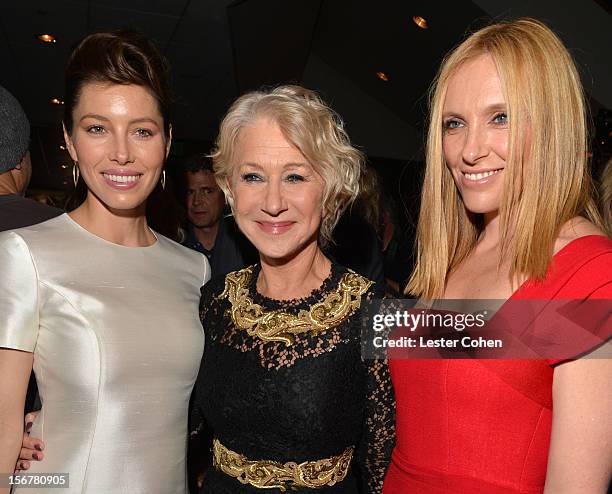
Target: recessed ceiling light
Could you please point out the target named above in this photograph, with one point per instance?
(420, 21)
(64, 167)
(62, 147)
(56, 101)
(46, 38)
(382, 76)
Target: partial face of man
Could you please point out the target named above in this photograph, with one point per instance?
(204, 199)
(22, 174)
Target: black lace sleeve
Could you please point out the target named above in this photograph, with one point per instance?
(207, 299)
(378, 435)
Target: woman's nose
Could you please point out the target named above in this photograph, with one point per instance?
(274, 201)
(121, 152)
(476, 145)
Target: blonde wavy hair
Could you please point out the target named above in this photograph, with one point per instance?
(311, 126)
(546, 181)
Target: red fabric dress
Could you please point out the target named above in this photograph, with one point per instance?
(460, 427)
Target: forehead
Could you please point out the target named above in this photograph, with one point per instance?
(117, 100)
(263, 143)
(201, 178)
(475, 83)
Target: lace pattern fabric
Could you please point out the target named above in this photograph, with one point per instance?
(300, 402)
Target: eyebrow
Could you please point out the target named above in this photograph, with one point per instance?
(106, 119)
(285, 166)
(488, 109)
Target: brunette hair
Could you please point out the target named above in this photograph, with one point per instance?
(117, 57)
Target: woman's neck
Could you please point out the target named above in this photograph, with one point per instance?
(293, 278)
(490, 236)
(127, 228)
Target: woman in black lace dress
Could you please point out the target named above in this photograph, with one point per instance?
(282, 385)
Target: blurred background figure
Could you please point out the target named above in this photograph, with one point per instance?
(207, 230)
(605, 196)
(16, 169)
(357, 239)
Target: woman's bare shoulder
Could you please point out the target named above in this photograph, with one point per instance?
(576, 228)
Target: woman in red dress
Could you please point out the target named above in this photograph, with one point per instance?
(506, 214)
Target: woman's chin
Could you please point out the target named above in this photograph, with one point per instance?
(482, 207)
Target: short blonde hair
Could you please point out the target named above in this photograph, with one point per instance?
(546, 108)
(310, 125)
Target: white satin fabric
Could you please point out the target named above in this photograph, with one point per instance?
(117, 344)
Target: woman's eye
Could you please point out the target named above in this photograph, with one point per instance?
(294, 177)
(143, 133)
(451, 124)
(251, 177)
(95, 129)
(500, 118)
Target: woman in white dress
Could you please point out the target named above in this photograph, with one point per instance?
(104, 309)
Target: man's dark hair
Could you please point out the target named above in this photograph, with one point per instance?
(198, 163)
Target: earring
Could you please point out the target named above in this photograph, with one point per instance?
(75, 173)
(163, 179)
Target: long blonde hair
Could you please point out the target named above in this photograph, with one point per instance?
(547, 116)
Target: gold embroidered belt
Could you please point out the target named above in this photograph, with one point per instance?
(266, 474)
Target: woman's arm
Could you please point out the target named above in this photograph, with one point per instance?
(15, 369)
(378, 434)
(580, 457)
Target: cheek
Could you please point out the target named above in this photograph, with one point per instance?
(451, 150)
(152, 154)
(311, 205)
(500, 145)
(244, 200)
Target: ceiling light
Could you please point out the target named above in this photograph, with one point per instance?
(420, 21)
(64, 167)
(56, 101)
(62, 147)
(382, 76)
(46, 38)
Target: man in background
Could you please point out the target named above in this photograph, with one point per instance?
(16, 169)
(208, 231)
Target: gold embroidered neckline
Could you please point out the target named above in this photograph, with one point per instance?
(278, 325)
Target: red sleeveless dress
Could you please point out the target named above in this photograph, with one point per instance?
(464, 428)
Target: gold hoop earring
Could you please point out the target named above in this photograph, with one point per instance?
(163, 180)
(75, 173)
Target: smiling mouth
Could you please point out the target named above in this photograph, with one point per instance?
(479, 176)
(122, 179)
(275, 228)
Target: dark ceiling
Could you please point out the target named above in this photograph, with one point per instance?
(219, 48)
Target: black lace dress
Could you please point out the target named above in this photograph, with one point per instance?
(304, 401)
